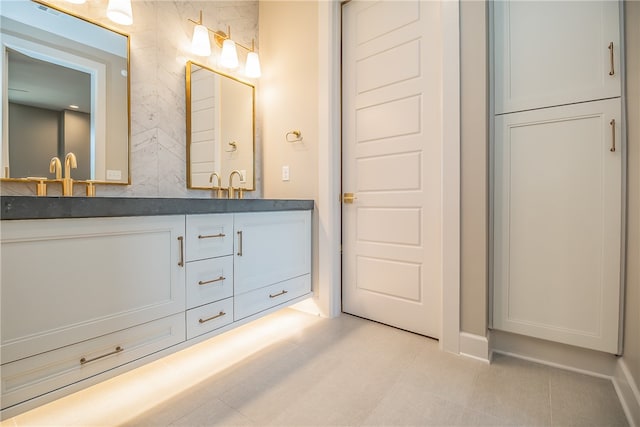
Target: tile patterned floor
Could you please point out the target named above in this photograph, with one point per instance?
(352, 372)
(295, 369)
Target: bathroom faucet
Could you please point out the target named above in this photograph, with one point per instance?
(231, 189)
(56, 167)
(70, 162)
(219, 187)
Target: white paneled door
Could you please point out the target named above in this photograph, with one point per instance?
(392, 156)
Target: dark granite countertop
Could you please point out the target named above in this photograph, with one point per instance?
(29, 207)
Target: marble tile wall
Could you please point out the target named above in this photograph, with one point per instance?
(160, 40)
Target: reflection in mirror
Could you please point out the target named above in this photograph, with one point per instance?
(67, 90)
(220, 128)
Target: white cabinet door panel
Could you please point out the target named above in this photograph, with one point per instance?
(558, 224)
(271, 247)
(68, 280)
(550, 53)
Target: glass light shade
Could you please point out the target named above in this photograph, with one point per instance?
(252, 69)
(77, 1)
(119, 11)
(200, 44)
(229, 55)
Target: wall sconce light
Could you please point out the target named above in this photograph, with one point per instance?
(119, 11)
(201, 46)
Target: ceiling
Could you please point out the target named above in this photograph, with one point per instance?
(45, 85)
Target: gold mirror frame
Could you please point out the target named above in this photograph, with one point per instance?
(126, 157)
(226, 151)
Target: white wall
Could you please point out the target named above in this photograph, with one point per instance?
(288, 100)
(474, 168)
(288, 97)
(631, 354)
(160, 47)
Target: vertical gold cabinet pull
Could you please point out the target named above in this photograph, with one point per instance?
(181, 262)
(84, 360)
(612, 71)
(240, 243)
(222, 313)
(613, 135)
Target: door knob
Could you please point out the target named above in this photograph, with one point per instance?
(348, 198)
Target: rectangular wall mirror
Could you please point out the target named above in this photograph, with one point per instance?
(65, 89)
(220, 128)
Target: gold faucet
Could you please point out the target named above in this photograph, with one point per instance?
(231, 189)
(219, 187)
(55, 167)
(70, 162)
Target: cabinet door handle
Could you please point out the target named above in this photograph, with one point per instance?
(613, 135)
(181, 240)
(222, 313)
(84, 360)
(210, 236)
(278, 294)
(612, 71)
(206, 282)
(239, 243)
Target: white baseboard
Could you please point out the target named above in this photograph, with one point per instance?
(474, 346)
(628, 393)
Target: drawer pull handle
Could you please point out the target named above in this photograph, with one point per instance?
(210, 236)
(222, 313)
(206, 282)
(278, 294)
(613, 135)
(612, 71)
(84, 360)
(181, 262)
(240, 243)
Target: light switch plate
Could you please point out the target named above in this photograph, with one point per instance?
(114, 174)
(285, 173)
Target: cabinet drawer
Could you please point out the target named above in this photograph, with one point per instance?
(261, 299)
(209, 317)
(209, 280)
(27, 378)
(209, 236)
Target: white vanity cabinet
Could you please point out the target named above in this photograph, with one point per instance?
(86, 298)
(72, 289)
(273, 259)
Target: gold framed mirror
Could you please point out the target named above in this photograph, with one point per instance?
(220, 129)
(67, 90)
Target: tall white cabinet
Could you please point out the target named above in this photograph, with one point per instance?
(558, 173)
